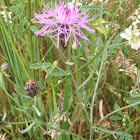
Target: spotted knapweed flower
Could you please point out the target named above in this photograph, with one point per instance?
(63, 21)
(133, 37)
(31, 88)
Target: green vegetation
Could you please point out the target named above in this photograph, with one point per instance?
(91, 92)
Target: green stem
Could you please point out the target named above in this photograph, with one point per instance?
(93, 99)
(29, 13)
(61, 130)
(66, 94)
(115, 111)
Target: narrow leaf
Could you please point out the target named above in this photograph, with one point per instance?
(4, 115)
(116, 118)
(37, 111)
(35, 66)
(91, 7)
(27, 129)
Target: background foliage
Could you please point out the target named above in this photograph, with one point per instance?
(97, 85)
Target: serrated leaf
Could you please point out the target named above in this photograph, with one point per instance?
(116, 118)
(27, 129)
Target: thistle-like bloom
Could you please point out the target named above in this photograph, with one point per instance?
(65, 21)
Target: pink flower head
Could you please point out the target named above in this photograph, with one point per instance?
(63, 20)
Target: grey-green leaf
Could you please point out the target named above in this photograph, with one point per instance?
(116, 118)
(90, 7)
(35, 66)
(37, 111)
(27, 129)
(33, 28)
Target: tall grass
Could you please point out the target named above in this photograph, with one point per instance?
(76, 80)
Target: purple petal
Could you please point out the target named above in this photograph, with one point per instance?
(87, 28)
(63, 20)
(41, 30)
